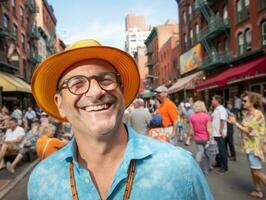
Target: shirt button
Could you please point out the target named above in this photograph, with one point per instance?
(87, 180)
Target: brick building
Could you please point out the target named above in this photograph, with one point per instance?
(232, 36)
(46, 22)
(21, 34)
(169, 61)
(157, 38)
(141, 60)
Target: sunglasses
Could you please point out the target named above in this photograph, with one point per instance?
(244, 101)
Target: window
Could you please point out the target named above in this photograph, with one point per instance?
(185, 17)
(190, 11)
(263, 33)
(242, 9)
(5, 22)
(226, 45)
(239, 6)
(191, 36)
(240, 39)
(225, 14)
(262, 4)
(13, 2)
(197, 30)
(248, 39)
(15, 31)
(21, 12)
(23, 41)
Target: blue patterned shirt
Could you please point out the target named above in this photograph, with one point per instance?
(163, 172)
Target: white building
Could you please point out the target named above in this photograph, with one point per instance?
(134, 39)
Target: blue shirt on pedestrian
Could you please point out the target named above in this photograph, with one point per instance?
(163, 172)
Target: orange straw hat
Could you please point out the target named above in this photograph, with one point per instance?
(46, 76)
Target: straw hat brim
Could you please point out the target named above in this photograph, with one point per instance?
(48, 73)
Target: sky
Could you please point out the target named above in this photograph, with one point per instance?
(104, 20)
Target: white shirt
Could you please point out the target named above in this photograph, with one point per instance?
(237, 103)
(13, 135)
(219, 114)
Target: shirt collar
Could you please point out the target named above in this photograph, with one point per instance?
(136, 148)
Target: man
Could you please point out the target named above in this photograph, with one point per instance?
(237, 107)
(139, 118)
(219, 128)
(90, 85)
(17, 114)
(30, 115)
(13, 143)
(167, 109)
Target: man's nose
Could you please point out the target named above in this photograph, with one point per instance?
(95, 89)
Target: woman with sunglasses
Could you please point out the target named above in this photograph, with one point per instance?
(252, 128)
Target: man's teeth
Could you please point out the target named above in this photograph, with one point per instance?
(96, 108)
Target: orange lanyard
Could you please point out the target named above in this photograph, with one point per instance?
(129, 183)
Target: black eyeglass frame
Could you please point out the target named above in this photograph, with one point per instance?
(95, 77)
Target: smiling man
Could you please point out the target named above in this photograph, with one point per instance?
(90, 86)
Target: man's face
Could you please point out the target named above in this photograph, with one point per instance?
(160, 96)
(12, 124)
(214, 102)
(96, 112)
(29, 109)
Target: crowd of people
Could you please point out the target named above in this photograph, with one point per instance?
(29, 132)
(212, 130)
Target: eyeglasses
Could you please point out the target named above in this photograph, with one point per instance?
(80, 84)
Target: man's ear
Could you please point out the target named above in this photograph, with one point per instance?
(59, 103)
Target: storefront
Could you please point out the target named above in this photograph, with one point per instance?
(184, 87)
(14, 91)
(233, 81)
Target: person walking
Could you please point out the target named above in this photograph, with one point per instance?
(229, 139)
(219, 128)
(167, 109)
(253, 133)
(90, 87)
(200, 127)
(139, 117)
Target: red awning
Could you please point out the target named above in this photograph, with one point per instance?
(246, 71)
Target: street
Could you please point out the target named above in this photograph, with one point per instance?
(234, 184)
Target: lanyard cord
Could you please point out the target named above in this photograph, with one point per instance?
(129, 182)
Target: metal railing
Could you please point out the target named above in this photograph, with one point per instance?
(215, 25)
(215, 59)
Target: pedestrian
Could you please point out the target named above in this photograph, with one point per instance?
(157, 131)
(17, 114)
(90, 87)
(237, 106)
(167, 109)
(47, 144)
(30, 115)
(229, 139)
(219, 128)
(139, 118)
(13, 143)
(200, 126)
(253, 130)
(187, 111)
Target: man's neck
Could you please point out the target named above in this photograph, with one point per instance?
(94, 152)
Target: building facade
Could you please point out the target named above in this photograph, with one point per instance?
(46, 22)
(136, 33)
(141, 60)
(231, 34)
(169, 61)
(158, 60)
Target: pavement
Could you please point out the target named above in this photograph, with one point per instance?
(8, 181)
